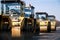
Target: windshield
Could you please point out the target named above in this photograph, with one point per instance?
(51, 18)
(11, 8)
(41, 16)
(27, 12)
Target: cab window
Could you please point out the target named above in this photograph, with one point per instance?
(41, 16)
(51, 18)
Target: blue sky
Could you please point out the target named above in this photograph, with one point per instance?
(52, 7)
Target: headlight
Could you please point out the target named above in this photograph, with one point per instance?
(11, 14)
(16, 23)
(6, 22)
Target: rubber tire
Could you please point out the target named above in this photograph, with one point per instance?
(35, 25)
(55, 28)
(37, 29)
(24, 27)
(49, 27)
(7, 29)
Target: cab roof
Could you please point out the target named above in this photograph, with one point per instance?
(29, 6)
(41, 13)
(51, 16)
(12, 1)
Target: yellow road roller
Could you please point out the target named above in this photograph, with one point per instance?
(29, 19)
(42, 23)
(18, 20)
(53, 22)
(14, 9)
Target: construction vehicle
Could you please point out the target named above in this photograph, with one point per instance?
(53, 22)
(29, 19)
(42, 23)
(14, 10)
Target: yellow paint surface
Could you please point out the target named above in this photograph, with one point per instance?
(52, 27)
(43, 28)
(16, 32)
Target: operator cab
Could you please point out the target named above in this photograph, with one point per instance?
(27, 12)
(42, 16)
(29, 18)
(42, 21)
(11, 8)
(51, 17)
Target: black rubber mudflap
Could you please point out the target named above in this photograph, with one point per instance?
(0, 22)
(27, 27)
(25, 24)
(49, 27)
(37, 29)
(34, 24)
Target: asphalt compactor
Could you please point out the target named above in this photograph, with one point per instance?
(29, 19)
(52, 19)
(14, 10)
(42, 23)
